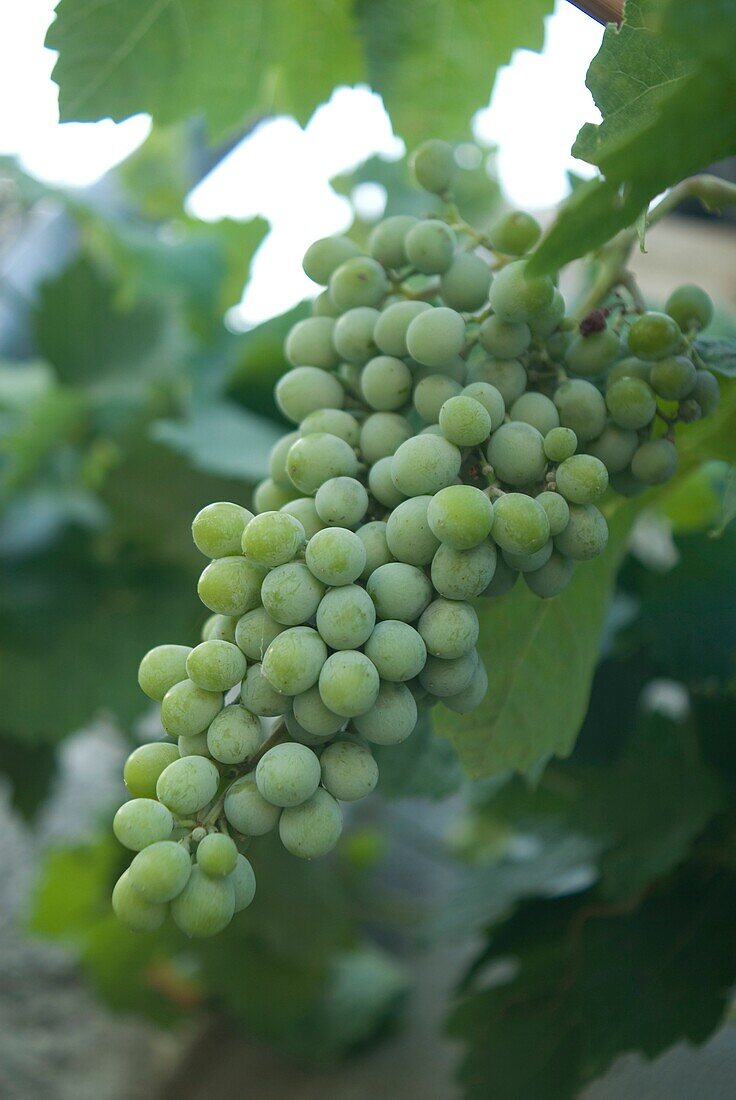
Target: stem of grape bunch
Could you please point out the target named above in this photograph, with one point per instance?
(604, 11)
(456, 428)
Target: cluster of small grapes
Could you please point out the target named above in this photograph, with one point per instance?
(454, 430)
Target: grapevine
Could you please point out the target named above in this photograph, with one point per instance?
(456, 429)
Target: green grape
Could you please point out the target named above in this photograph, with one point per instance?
(314, 459)
(205, 906)
(514, 233)
(408, 534)
(631, 403)
(425, 464)
(160, 872)
(345, 617)
(269, 497)
(545, 322)
(314, 717)
(334, 556)
(291, 592)
(386, 383)
(557, 344)
(506, 375)
(273, 538)
(144, 766)
(323, 306)
(463, 574)
(258, 695)
(582, 479)
(349, 376)
(436, 337)
(503, 580)
(288, 774)
(592, 354)
(473, 695)
(187, 785)
(309, 344)
(277, 466)
(247, 810)
(515, 297)
(520, 524)
(631, 367)
(430, 394)
(455, 370)
(460, 516)
(654, 336)
(131, 910)
(433, 165)
(614, 447)
(324, 256)
(161, 668)
(673, 378)
(443, 677)
(193, 745)
(516, 453)
(465, 284)
(216, 665)
(141, 822)
(397, 650)
(255, 632)
(354, 335)
(586, 534)
(304, 390)
(382, 434)
(359, 281)
(706, 392)
(392, 717)
(537, 410)
(231, 586)
(333, 421)
(529, 563)
(491, 400)
(348, 683)
(449, 628)
(187, 709)
(552, 578)
(582, 408)
(349, 771)
(419, 693)
(386, 242)
(293, 660)
(399, 591)
(219, 628)
(235, 735)
(218, 529)
(305, 510)
(430, 246)
(244, 883)
(465, 421)
(691, 307)
(557, 509)
(377, 553)
(504, 339)
(312, 829)
(382, 486)
(341, 502)
(392, 325)
(654, 462)
(217, 855)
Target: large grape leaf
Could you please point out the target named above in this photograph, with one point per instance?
(422, 767)
(222, 438)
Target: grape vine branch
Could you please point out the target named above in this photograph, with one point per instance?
(604, 11)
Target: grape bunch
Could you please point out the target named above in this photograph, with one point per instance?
(453, 429)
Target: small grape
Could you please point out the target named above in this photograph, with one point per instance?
(473, 695)
(193, 745)
(187, 709)
(673, 378)
(465, 421)
(348, 683)
(230, 586)
(349, 771)
(397, 650)
(255, 631)
(217, 855)
(235, 735)
(304, 390)
(141, 822)
(433, 165)
(373, 537)
(654, 336)
(586, 534)
(392, 326)
(354, 335)
(491, 400)
(408, 533)
(359, 281)
(205, 906)
(545, 322)
(456, 370)
(218, 529)
(382, 486)
(537, 410)
(314, 459)
(323, 306)
(430, 246)
(333, 421)
(506, 375)
(631, 403)
(706, 392)
(335, 556)
(430, 394)
(504, 339)
(349, 376)
(436, 337)
(529, 563)
(503, 580)
(399, 591)
(144, 766)
(161, 668)
(448, 677)
(582, 479)
(425, 464)
(631, 367)
(309, 344)
(581, 408)
(552, 578)
(690, 306)
(131, 909)
(465, 284)
(273, 538)
(160, 872)
(187, 785)
(313, 828)
(382, 434)
(341, 501)
(386, 383)
(244, 883)
(614, 447)
(516, 452)
(515, 296)
(269, 497)
(277, 467)
(247, 810)
(216, 665)
(325, 256)
(219, 628)
(305, 510)
(460, 516)
(293, 661)
(288, 774)
(463, 574)
(592, 354)
(392, 717)
(259, 697)
(557, 509)
(654, 462)
(449, 628)
(291, 592)
(386, 242)
(520, 524)
(314, 717)
(514, 233)
(345, 617)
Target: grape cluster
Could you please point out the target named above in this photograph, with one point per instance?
(454, 428)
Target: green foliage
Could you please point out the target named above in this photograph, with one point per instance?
(424, 766)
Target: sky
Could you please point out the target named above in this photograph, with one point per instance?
(538, 104)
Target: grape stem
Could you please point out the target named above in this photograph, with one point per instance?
(603, 11)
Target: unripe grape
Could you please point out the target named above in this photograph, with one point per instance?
(277, 466)
(218, 529)
(433, 165)
(430, 394)
(392, 325)
(586, 534)
(305, 510)
(545, 322)
(288, 774)
(430, 246)
(349, 771)
(399, 591)
(463, 574)
(614, 447)
(187, 785)
(161, 668)
(313, 828)
(436, 337)
(520, 524)
(448, 677)
(373, 537)
(516, 452)
(503, 580)
(673, 378)
(359, 281)
(490, 398)
(216, 665)
(690, 306)
(460, 516)
(160, 872)
(425, 464)
(354, 334)
(471, 696)
(341, 502)
(529, 563)
(323, 306)
(514, 233)
(537, 410)
(314, 717)
(259, 696)
(557, 510)
(144, 766)
(382, 434)
(631, 367)
(193, 745)
(205, 906)
(219, 628)
(654, 336)
(141, 822)
(304, 390)
(333, 421)
(247, 810)
(386, 383)
(382, 486)
(515, 296)
(592, 354)
(273, 538)
(217, 855)
(506, 375)
(397, 650)
(408, 533)
(582, 479)
(235, 735)
(465, 421)
(706, 392)
(654, 462)
(269, 497)
(465, 284)
(386, 242)
(309, 344)
(132, 910)
(293, 660)
(187, 709)
(255, 631)
(449, 628)
(504, 339)
(552, 578)
(631, 403)
(325, 256)
(345, 617)
(230, 586)
(348, 683)
(391, 718)
(291, 592)
(244, 883)
(581, 408)
(314, 459)
(334, 556)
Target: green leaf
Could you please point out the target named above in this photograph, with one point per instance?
(231, 62)
(30, 771)
(728, 503)
(63, 913)
(424, 766)
(222, 438)
(718, 354)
